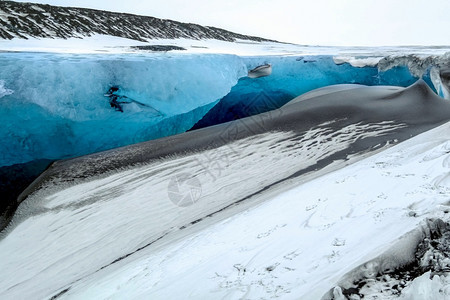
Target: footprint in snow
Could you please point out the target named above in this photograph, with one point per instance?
(338, 242)
(292, 255)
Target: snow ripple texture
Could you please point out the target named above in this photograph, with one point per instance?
(129, 209)
(328, 227)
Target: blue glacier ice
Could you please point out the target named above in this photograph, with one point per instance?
(293, 76)
(53, 106)
(4, 91)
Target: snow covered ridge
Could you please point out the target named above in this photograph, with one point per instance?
(25, 20)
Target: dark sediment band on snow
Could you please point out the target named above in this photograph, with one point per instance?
(417, 108)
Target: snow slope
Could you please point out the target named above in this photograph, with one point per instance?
(298, 243)
(88, 226)
(125, 233)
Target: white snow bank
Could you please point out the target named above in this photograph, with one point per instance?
(67, 235)
(110, 44)
(426, 288)
(299, 243)
(92, 44)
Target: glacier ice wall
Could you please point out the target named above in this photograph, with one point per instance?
(53, 106)
(432, 68)
(3, 90)
(293, 76)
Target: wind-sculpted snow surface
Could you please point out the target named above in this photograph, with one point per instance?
(85, 216)
(299, 243)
